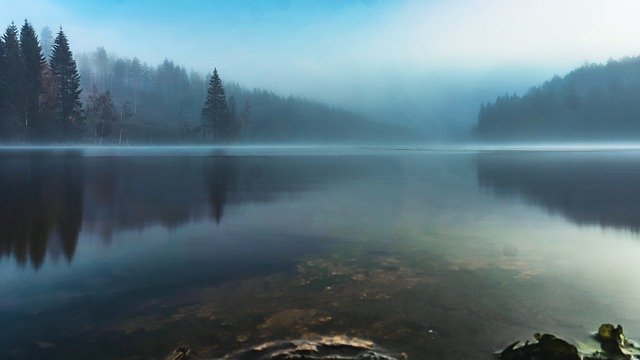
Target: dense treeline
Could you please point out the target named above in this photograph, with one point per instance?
(46, 97)
(167, 101)
(159, 104)
(293, 119)
(593, 102)
(39, 99)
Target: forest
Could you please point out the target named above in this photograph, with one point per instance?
(595, 102)
(48, 95)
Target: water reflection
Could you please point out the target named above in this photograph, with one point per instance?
(49, 198)
(224, 253)
(42, 206)
(220, 178)
(587, 188)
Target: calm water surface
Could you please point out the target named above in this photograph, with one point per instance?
(429, 255)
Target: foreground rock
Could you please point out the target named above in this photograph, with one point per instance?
(547, 347)
(613, 343)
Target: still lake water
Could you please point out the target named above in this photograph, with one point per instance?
(427, 254)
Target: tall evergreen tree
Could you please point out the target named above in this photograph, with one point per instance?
(3, 88)
(33, 65)
(14, 63)
(3, 73)
(215, 112)
(63, 67)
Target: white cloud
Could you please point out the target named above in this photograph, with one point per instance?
(494, 33)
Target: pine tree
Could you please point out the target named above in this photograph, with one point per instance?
(14, 65)
(33, 65)
(64, 68)
(215, 111)
(3, 89)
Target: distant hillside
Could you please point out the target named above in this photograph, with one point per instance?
(593, 102)
(167, 101)
(294, 119)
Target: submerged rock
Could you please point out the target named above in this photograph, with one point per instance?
(327, 347)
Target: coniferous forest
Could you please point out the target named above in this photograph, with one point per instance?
(48, 94)
(593, 102)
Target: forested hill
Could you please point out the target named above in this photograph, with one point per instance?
(167, 101)
(593, 102)
(48, 94)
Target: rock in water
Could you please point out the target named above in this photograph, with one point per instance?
(554, 348)
(547, 347)
(612, 341)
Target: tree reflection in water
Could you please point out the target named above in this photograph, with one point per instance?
(48, 198)
(42, 206)
(599, 188)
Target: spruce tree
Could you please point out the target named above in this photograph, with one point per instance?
(14, 65)
(33, 65)
(3, 74)
(215, 111)
(3, 89)
(69, 123)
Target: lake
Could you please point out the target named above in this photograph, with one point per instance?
(414, 254)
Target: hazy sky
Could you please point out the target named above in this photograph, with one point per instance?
(332, 49)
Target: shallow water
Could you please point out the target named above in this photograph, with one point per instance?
(419, 254)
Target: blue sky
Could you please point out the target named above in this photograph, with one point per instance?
(338, 49)
(249, 40)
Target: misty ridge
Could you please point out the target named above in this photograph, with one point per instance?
(595, 102)
(48, 95)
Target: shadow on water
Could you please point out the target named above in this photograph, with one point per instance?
(588, 188)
